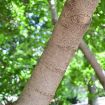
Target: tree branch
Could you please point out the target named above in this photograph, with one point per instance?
(92, 60)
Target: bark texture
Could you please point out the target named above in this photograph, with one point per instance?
(67, 35)
(83, 46)
(90, 57)
(92, 60)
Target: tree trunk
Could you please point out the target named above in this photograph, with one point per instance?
(84, 48)
(66, 37)
(92, 97)
(53, 11)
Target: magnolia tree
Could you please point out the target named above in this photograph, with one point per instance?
(23, 38)
(67, 34)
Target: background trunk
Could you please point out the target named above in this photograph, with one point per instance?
(92, 97)
(65, 40)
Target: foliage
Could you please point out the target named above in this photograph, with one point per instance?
(25, 28)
